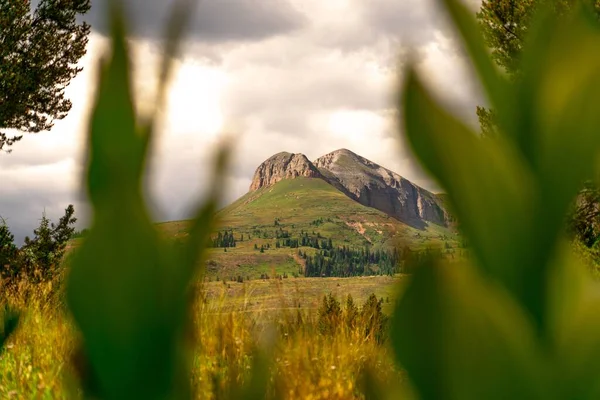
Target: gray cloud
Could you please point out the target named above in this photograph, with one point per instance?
(23, 205)
(281, 89)
(213, 21)
(305, 77)
(412, 21)
(424, 27)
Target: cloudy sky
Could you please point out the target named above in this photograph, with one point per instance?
(303, 76)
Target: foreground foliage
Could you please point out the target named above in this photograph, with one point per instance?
(505, 26)
(516, 323)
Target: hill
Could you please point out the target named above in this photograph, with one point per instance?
(341, 215)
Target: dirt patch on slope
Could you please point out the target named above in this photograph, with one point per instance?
(358, 227)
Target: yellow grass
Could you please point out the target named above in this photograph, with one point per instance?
(229, 325)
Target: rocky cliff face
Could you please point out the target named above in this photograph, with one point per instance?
(283, 166)
(360, 179)
(374, 186)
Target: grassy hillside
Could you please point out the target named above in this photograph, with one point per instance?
(304, 205)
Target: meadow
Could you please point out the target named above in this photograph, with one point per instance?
(229, 320)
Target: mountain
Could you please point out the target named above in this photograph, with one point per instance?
(360, 179)
(297, 212)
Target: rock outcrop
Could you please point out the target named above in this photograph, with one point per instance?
(360, 179)
(283, 166)
(375, 186)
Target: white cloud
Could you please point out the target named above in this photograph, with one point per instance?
(328, 85)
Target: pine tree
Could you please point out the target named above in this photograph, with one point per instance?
(225, 239)
(330, 315)
(37, 251)
(373, 318)
(351, 312)
(8, 250)
(62, 232)
(40, 255)
(39, 53)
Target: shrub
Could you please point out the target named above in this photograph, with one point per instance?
(351, 313)
(40, 256)
(8, 251)
(373, 320)
(330, 315)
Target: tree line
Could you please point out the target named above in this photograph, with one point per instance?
(224, 240)
(345, 262)
(38, 258)
(305, 241)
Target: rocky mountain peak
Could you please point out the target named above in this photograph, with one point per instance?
(375, 186)
(344, 152)
(360, 179)
(281, 166)
(343, 158)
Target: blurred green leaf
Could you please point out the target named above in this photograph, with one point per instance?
(371, 387)
(487, 184)
(374, 388)
(204, 220)
(497, 88)
(256, 387)
(181, 13)
(128, 290)
(574, 303)
(117, 275)
(460, 337)
(459, 334)
(559, 101)
(10, 322)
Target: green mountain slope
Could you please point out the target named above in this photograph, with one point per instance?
(297, 207)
